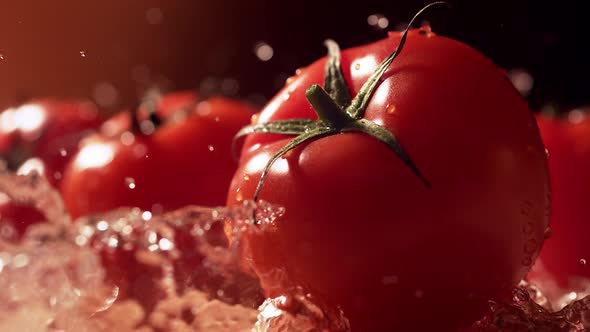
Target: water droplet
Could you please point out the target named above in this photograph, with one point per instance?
(530, 246)
(263, 51)
(290, 80)
(130, 182)
(390, 109)
(548, 232)
(102, 225)
(528, 228)
(83, 54)
(254, 118)
(239, 195)
(576, 116)
(146, 215)
(63, 152)
(378, 21)
(211, 148)
(547, 153)
(357, 66)
(20, 260)
(583, 261)
(522, 81)
(246, 177)
(426, 30)
(1, 56)
(165, 244)
(105, 94)
(127, 138)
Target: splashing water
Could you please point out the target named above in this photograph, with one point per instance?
(127, 270)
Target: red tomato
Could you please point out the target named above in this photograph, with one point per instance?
(566, 254)
(48, 130)
(363, 231)
(182, 162)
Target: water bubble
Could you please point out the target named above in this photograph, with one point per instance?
(130, 182)
(239, 195)
(547, 153)
(102, 225)
(522, 81)
(583, 261)
(20, 261)
(83, 54)
(1, 56)
(127, 138)
(390, 109)
(146, 215)
(63, 152)
(105, 94)
(263, 51)
(165, 244)
(210, 148)
(147, 127)
(576, 116)
(246, 177)
(378, 21)
(548, 232)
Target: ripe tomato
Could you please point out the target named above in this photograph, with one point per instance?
(48, 130)
(184, 161)
(362, 228)
(566, 253)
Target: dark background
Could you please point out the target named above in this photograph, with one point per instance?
(113, 50)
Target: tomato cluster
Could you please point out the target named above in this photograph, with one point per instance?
(413, 176)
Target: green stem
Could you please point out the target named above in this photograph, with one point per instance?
(326, 108)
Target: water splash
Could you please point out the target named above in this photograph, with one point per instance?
(131, 270)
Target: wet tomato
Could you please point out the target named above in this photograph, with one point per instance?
(184, 160)
(566, 254)
(415, 201)
(46, 131)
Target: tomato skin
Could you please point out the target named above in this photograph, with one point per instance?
(363, 232)
(47, 129)
(566, 254)
(181, 163)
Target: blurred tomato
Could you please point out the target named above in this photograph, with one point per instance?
(158, 167)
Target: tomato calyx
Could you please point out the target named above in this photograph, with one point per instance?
(337, 112)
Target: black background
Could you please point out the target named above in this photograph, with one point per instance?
(201, 43)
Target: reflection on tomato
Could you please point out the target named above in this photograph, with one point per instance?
(183, 161)
(363, 231)
(566, 254)
(48, 130)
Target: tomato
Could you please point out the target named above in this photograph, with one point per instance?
(566, 253)
(46, 129)
(411, 236)
(183, 161)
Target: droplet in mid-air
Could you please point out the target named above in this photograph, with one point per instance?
(130, 182)
(263, 51)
